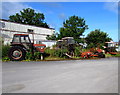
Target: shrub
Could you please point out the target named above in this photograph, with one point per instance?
(29, 56)
(5, 49)
(60, 52)
(77, 51)
(37, 55)
(56, 52)
(50, 51)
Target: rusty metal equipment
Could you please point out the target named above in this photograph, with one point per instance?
(67, 43)
(21, 44)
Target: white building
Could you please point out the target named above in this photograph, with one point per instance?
(8, 29)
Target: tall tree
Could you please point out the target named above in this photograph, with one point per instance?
(73, 27)
(51, 37)
(29, 16)
(97, 38)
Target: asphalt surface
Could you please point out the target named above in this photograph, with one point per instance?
(72, 76)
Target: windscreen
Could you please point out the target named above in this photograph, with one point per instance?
(16, 39)
(25, 39)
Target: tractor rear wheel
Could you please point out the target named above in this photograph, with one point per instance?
(17, 53)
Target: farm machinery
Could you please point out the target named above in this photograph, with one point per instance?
(21, 44)
(67, 43)
(93, 52)
(70, 44)
(110, 48)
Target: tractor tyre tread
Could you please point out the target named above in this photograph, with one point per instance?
(12, 49)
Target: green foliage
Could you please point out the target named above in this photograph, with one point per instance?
(56, 52)
(5, 59)
(77, 51)
(37, 55)
(117, 55)
(52, 37)
(91, 45)
(49, 51)
(97, 38)
(60, 52)
(29, 16)
(29, 56)
(110, 55)
(73, 27)
(5, 49)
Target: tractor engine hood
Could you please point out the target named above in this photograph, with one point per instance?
(40, 47)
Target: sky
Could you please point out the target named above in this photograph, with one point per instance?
(98, 15)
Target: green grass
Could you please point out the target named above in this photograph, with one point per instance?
(54, 58)
(5, 59)
(109, 55)
(117, 55)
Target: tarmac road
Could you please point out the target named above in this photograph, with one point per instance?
(72, 76)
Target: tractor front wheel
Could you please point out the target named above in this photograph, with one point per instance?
(16, 53)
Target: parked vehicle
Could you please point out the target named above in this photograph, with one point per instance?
(21, 44)
(67, 43)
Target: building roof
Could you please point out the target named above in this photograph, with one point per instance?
(25, 24)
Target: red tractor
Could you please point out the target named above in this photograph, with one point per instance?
(21, 44)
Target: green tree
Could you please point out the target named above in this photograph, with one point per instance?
(29, 16)
(97, 38)
(73, 27)
(51, 37)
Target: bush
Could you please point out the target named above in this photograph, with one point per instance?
(60, 52)
(56, 52)
(36, 56)
(29, 56)
(50, 51)
(5, 49)
(77, 51)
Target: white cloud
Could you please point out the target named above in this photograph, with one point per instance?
(62, 16)
(51, 26)
(111, 6)
(10, 8)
